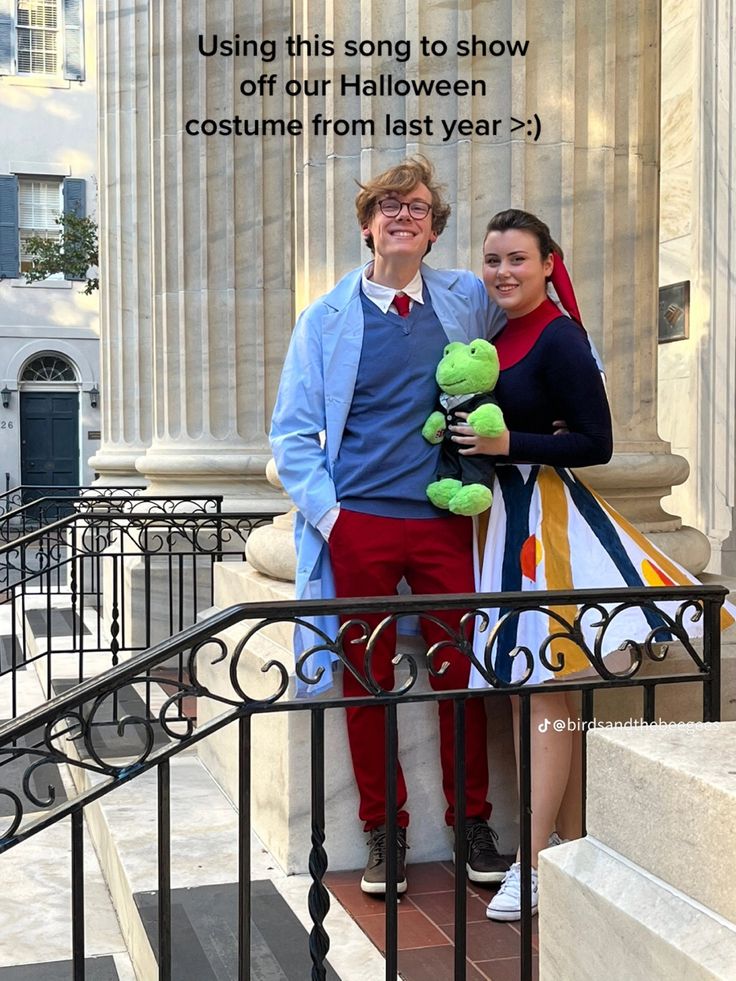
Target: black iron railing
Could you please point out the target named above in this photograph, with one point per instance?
(13, 497)
(70, 725)
(44, 506)
(109, 580)
(29, 506)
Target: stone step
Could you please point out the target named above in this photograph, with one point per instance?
(95, 969)
(61, 628)
(602, 917)
(34, 629)
(36, 936)
(664, 797)
(35, 942)
(11, 653)
(204, 867)
(204, 861)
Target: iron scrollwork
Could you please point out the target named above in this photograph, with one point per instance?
(70, 731)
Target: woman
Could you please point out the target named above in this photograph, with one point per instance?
(547, 530)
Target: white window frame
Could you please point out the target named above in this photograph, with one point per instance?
(57, 31)
(50, 225)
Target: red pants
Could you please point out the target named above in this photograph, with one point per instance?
(369, 556)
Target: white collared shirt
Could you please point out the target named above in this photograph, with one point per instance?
(383, 296)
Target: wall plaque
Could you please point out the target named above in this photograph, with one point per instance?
(674, 312)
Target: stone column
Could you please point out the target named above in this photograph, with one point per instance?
(591, 75)
(327, 165)
(604, 143)
(125, 240)
(715, 283)
(221, 276)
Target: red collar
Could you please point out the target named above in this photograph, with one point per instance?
(520, 335)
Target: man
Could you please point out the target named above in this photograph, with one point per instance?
(360, 368)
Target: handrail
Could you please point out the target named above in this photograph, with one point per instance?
(67, 708)
(92, 502)
(71, 719)
(19, 488)
(130, 518)
(66, 590)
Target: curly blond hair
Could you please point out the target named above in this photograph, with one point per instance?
(402, 179)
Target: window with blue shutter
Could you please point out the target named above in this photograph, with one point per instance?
(7, 24)
(75, 193)
(74, 196)
(42, 37)
(9, 244)
(73, 40)
(39, 204)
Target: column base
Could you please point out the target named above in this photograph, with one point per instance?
(687, 546)
(634, 483)
(270, 549)
(116, 467)
(239, 475)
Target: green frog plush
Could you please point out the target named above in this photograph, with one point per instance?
(467, 375)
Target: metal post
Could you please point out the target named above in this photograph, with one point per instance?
(164, 872)
(525, 833)
(461, 896)
(319, 898)
(78, 894)
(244, 770)
(392, 917)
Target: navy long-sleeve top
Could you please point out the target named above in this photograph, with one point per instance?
(548, 373)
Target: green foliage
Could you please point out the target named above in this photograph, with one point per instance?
(72, 253)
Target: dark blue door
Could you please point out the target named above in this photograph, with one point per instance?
(49, 439)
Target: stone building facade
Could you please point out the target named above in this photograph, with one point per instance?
(49, 331)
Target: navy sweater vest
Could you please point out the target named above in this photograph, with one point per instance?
(385, 464)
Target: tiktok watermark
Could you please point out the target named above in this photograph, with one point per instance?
(582, 725)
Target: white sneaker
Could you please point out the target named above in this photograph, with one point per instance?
(554, 840)
(506, 904)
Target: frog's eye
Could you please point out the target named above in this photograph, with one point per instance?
(473, 349)
(447, 350)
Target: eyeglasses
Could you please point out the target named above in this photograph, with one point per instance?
(391, 208)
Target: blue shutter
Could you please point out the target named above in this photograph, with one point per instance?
(73, 40)
(6, 36)
(9, 240)
(75, 192)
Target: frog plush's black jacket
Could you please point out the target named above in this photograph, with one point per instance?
(476, 469)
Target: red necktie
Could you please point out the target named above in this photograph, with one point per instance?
(401, 302)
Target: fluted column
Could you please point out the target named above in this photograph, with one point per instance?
(714, 288)
(125, 240)
(328, 164)
(594, 175)
(222, 296)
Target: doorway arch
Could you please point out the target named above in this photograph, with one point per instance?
(49, 421)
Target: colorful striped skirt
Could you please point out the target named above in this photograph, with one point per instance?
(548, 530)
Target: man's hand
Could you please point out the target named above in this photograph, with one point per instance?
(559, 427)
(327, 522)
